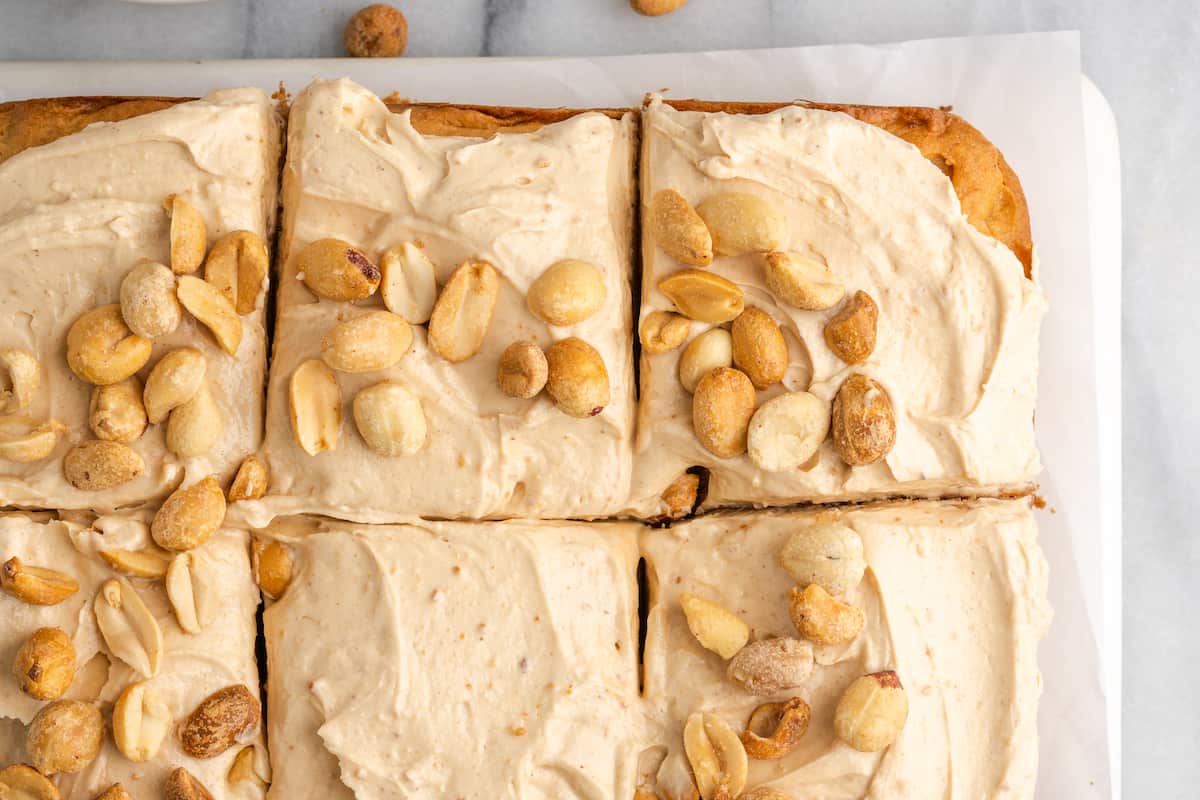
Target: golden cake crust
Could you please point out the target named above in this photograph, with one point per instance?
(986, 185)
(30, 123)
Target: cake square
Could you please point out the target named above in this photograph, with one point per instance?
(116, 553)
(880, 251)
(444, 189)
(953, 602)
(83, 182)
(464, 660)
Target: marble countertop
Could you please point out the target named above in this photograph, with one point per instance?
(1146, 62)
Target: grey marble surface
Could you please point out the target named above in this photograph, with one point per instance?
(1144, 55)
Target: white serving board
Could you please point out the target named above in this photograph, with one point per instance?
(1025, 93)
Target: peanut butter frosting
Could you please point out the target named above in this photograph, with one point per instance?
(954, 597)
(521, 201)
(192, 666)
(456, 660)
(958, 320)
(76, 215)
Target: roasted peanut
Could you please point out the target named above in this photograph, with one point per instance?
(189, 516)
(37, 586)
(337, 270)
(116, 413)
(863, 423)
(65, 736)
(315, 403)
(140, 721)
(189, 235)
(148, 563)
(714, 626)
(237, 267)
(45, 664)
(709, 350)
(770, 666)
(25, 439)
(195, 426)
(273, 564)
(717, 756)
(129, 629)
(568, 292)
(742, 223)
(678, 229)
(872, 712)
(101, 349)
(173, 381)
(576, 378)
(97, 465)
(245, 768)
(851, 332)
(390, 419)
(680, 497)
(217, 723)
(775, 729)
(827, 554)
(409, 286)
(820, 618)
(213, 309)
(463, 311)
(663, 331)
(183, 785)
(703, 296)
(23, 782)
(372, 341)
(801, 281)
(148, 302)
(722, 407)
(786, 431)
(522, 371)
(251, 480)
(114, 792)
(190, 585)
(759, 349)
(656, 8)
(24, 378)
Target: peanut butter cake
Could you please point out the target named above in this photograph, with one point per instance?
(454, 312)
(127, 664)
(884, 651)
(826, 315)
(455, 660)
(132, 256)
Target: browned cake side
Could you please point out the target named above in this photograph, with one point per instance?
(29, 123)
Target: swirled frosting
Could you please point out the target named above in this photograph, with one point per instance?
(76, 215)
(193, 665)
(522, 201)
(494, 660)
(958, 320)
(955, 602)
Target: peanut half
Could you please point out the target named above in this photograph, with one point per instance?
(315, 403)
(114, 792)
(173, 381)
(65, 736)
(568, 292)
(676, 227)
(722, 408)
(245, 768)
(189, 235)
(189, 516)
(23, 782)
(522, 371)
(851, 332)
(770, 666)
(775, 729)
(183, 785)
(822, 619)
(714, 626)
(140, 721)
(863, 423)
(801, 281)
(372, 341)
(97, 465)
(390, 419)
(148, 563)
(24, 439)
(663, 331)
(826, 554)
(742, 223)
(37, 586)
(709, 350)
(409, 285)
(336, 270)
(237, 267)
(116, 412)
(101, 349)
(251, 480)
(703, 296)
(219, 721)
(759, 349)
(191, 589)
(196, 425)
(576, 378)
(129, 629)
(148, 302)
(717, 756)
(680, 496)
(24, 378)
(872, 712)
(273, 565)
(463, 311)
(656, 8)
(213, 309)
(786, 431)
(45, 664)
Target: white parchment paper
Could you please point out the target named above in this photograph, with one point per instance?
(1022, 91)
